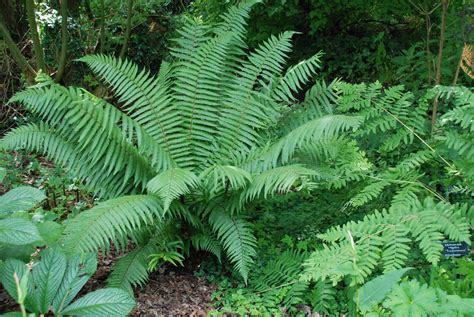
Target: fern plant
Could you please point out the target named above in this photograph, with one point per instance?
(457, 131)
(383, 241)
(194, 144)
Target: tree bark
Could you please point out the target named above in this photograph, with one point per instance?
(102, 27)
(64, 39)
(458, 68)
(438, 63)
(16, 54)
(128, 29)
(39, 55)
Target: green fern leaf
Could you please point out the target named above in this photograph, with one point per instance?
(110, 221)
(171, 184)
(237, 239)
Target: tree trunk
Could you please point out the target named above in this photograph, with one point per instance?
(128, 29)
(39, 55)
(16, 53)
(102, 27)
(64, 39)
(440, 58)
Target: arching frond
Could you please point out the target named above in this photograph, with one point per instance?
(45, 140)
(218, 178)
(171, 184)
(90, 125)
(355, 248)
(147, 99)
(237, 238)
(198, 99)
(93, 229)
(206, 241)
(295, 78)
(319, 101)
(326, 127)
(130, 270)
(278, 180)
(243, 114)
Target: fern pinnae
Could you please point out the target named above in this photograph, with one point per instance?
(237, 239)
(171, 184)
(145, 97)
(110, 221)
(295, 77)
(242, 112)
(130, 270)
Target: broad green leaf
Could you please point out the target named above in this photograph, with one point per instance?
(374, 291)
(103, 302)
(20, 198)
(10, 267)
(47, 277)
(18, 231)
(11, 251)
(50, 231)
(412, 300)
(77, 274)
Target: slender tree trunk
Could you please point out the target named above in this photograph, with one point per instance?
(440, 58)
(128, 30)
(39, 55)
(102, 27)
(458, 69)
(428, 51)
(64, 39)
(16, 54)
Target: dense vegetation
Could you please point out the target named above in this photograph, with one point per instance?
(313, 164)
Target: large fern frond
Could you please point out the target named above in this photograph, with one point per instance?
(146, 98)
(198, 98)
(131, 270)
(355, 249)
(237, 238)
(295, 78)
(171, 184)
(242, 113)
(110, 221)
